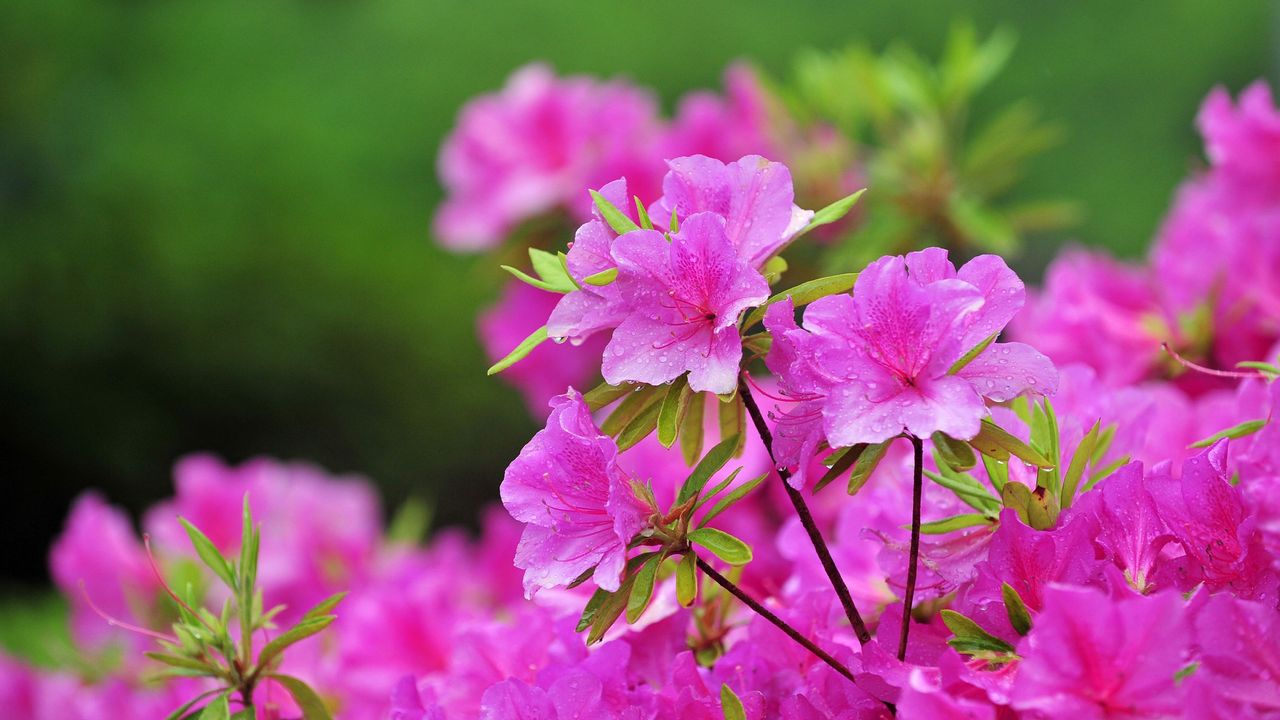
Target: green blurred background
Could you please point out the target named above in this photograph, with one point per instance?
(213, 232)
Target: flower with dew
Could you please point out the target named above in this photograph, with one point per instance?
(684, 299)
(577, 504)
(890, 349)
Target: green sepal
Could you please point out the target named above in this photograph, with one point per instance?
(833, 212)
(1019, 616)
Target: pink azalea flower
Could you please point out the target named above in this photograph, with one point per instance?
(1097, 311)
(893, 342)
(99, 548)
(551, 367)
(753, 196)
(532, 147)
(1089, 656)
(684, 300)
(579, 509)
(1031, 560)
(1129, 526)
(1239, 653)
(1215, 526)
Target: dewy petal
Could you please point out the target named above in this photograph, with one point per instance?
(930, 265)
(717, 371)
(946, 404)
(644, 350)
(695, 184)
(582, 313)
(760, 207)
(1006, 370)
(1003, 295)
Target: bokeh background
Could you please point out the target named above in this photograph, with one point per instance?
(214, 214)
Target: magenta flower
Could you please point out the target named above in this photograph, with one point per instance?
(726, 127)
(684, 299)
(532, 147)
(1130, 529)
(754, 196)
(550, 368)
(1239, 653)
(1031, 561)
(1089, 656)
(590, 309)
(1215, 526)
(577, 504)
(889, 349)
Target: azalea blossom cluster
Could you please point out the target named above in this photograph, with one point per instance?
(1082, 520)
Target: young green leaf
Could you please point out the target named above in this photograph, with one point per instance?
(709, 495)
(733, 423)
(594, 603)
(995, 442)
(972, 355)
(217, 710)
(640, 427)
(673, 404)
(692, 429)
(552, 269)
(303, 630)
(955, 453)
(734, 496)
(970, 639)
(312, 707)
(535, 282)
(843, 460)
(1244, 429)
(632, 407)
(675, 222)
(324, 607)
(602, 278)
(970, 491)
(181, 661)
(687, 580)
(710, 465)
(1019, 616)
(209, 554)
(604, 395)
(866, 464)
(997, 472)
(1075, 469)
(612, 215)
(731, 705)
(833, 212)
(526, 346)
(1038, 509)
(642, 589)
(805, 293)
(725, 546)
(955, 522)
(643, 214)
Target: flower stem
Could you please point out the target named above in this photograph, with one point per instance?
(777, 622)
(806, 518)
(917, 490)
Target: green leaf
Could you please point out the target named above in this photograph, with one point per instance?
(805, 293)
(616, 218)
(692, 429)
(970, 491)
(866, 464)
(970, 638)
(997, 472)
(642, 589)
(833, 212)
(1038, 509)
(1075, 469)
(972, 355)
(248, 547)
(734, 496)
(687, 580)
(955, 522)
(410, 523)
(324, 607)
(708, 466)
(1186, 671)
(843, 460)
(725, 546)
(1099, 475)
(673, 405)
(733, 423)
(640, 427)
(209, 554)
(630, 408)
(955, 453)
(1262, 367)
(594, 603)
(540, 284)
(645, 222)
(1244, 429)
(180, 661)
(675, 222)
(996, 443)
(1019, 617)
(773, 269)
(553, 269)
(605, 394)
(312, 707)
(217, 710)
(303, 630)
(526, 346)
(181, 712)
(709, 495)
(602, 278)
(731, 705)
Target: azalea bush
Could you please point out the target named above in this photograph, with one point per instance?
(811, 449)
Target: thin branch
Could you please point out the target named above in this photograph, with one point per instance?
(917, 490)
(806, 518)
